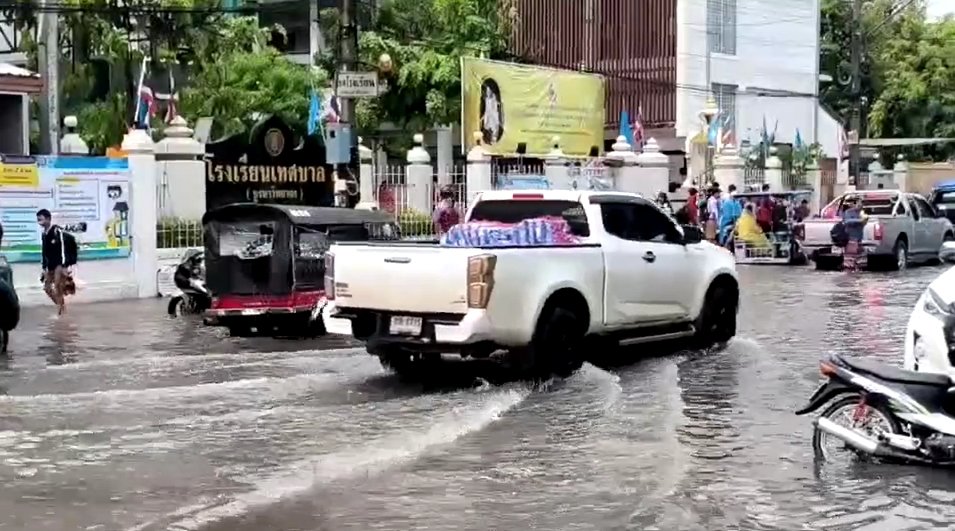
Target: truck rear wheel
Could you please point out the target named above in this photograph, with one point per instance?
(556, 348)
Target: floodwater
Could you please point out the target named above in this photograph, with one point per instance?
(117, 418)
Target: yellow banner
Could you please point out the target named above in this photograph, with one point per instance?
(19, 175)
(510, 103)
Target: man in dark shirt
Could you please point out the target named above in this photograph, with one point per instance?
(54, 259)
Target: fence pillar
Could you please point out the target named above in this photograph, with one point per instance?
(419, 176)
(814, 180)
(624, 164)
(180, 173)
(141, 153)
(900, 173)
(774, 172)
(72, 143)
(729, 168)
(445, 141)
(366, 176)
(651, 175)
(557, 168)
(478, 173)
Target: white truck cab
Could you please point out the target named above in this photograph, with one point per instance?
(634, 276)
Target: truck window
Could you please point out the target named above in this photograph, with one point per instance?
(509, 211)
(635, 222)
(877, 205)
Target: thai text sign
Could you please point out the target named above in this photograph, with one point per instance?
(510, 104)
(242, 183)
(357, 84)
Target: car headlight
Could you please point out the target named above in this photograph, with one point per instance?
(935, 306)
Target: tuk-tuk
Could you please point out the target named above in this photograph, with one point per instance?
(943, 198)
(265, 264)
(782, 243)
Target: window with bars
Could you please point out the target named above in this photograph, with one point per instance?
(721, 26)
(725, 96)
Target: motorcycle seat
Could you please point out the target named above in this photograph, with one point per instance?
(889, 373)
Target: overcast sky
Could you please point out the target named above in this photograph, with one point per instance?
(939, 8)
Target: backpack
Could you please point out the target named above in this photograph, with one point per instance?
(839, 235)
(71, 249)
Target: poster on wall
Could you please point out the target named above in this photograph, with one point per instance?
(512, 104)
(88, 197)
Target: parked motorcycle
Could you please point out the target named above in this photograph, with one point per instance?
(9, 305)
(882, 411)
(191, 297)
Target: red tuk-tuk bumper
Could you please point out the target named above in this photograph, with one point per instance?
(230, 306)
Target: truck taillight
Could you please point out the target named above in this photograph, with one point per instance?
(878, 232)
(480, 280)
(329, 276)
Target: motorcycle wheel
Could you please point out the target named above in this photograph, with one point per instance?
(843, 411)
(4, 341)
(177, 306)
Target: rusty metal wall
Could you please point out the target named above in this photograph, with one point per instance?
(631, 42)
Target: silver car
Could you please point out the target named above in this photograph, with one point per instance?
(903, 228)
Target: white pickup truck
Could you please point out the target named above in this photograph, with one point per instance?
(636, 276)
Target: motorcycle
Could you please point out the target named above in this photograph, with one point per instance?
(9, 305)
(884, 412)
(191, 296)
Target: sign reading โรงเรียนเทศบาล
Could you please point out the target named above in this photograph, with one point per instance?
(357, 84)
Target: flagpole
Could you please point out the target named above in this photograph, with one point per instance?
(139, 90)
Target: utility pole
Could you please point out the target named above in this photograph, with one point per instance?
(49, 65)
(349, 62)
(855, 91)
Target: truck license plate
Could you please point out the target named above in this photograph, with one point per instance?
(403, 325)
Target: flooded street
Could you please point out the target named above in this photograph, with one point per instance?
(117, 418)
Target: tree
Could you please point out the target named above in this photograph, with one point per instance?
(878, 27)
(917, 96)
(425, 40)
(237, 75)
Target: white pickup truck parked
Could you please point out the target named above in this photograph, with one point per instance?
(636, 276)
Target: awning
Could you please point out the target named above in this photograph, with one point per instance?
(19, 80)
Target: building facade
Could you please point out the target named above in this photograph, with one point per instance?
(759, 59)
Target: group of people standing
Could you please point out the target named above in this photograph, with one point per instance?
(725, 217)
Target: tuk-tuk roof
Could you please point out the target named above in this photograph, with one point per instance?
(944, 186)
(301, 215)
(774, 194)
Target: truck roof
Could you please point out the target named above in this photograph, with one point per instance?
(548, 195)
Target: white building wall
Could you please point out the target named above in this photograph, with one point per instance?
(776, 50)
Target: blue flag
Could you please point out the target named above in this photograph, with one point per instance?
(713, 134)
(625, 130)
(797, 143)
(314, 114)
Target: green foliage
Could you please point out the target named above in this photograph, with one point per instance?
(918, 92)
(413, 223)
(226, 69)
(239, 75)
(425, 40)
(103, 123)
(908, 83)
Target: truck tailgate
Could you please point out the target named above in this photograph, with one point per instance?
(402, 278)
(819, 232)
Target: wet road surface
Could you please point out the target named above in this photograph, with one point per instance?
(115, 418)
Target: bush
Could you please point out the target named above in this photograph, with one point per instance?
(415, 224)
(175, 233)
